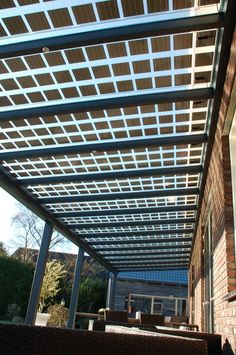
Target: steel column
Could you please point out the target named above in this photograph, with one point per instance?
(113, 291)
(75, 289)
(38, 275)
(108, 299)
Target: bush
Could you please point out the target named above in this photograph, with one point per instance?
(54, 272)
(92, 295)
(15, 283)
(59, 315)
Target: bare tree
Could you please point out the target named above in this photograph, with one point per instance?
(2, 249)
(29, 230)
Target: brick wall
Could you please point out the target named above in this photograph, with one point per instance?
(196, 283)
(218, 201)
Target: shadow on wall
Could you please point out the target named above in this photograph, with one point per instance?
(227, 350)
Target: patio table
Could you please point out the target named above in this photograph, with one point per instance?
(136, 330)
(81, 315)
(213, 340)
(185, 326)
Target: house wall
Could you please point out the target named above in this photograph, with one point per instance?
(125, 287)
(217, 201)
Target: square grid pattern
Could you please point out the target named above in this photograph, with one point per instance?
(168, 61)
(123, 204)
(131, 218)
(134, 239)
(36, 15)
(132, 257)
(106, 162)
(161, 120)
(113, 186)
(155, 64)
(147, 64)
(176, 277)
(144, 228)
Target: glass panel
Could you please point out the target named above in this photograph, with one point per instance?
(181, 307)
(142, 304)
(109, 71)
(157, 306)
(168, 307)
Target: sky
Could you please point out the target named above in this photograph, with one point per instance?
(8, 210)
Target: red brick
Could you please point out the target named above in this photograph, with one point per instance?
(219, 189)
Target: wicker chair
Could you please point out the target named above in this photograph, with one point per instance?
(213, 340)
(32, 340)
(154, 319)
(179, 319)
(116, 316)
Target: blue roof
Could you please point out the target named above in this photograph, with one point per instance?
(168, 276)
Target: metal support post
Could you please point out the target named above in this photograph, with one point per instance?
(75, 289)
(113, 291)
(38, 275)
(108, 300)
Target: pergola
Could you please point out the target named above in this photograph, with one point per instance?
(108, 115)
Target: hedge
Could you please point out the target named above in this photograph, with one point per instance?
(15, 283)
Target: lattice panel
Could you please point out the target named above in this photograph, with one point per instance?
(119, 204)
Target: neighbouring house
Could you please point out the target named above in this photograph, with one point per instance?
(66, 259)
(160, 292)
(90, 266)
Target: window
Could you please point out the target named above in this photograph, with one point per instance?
(140, 303)
(164, 305)
(157, 306)
(192, 294)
